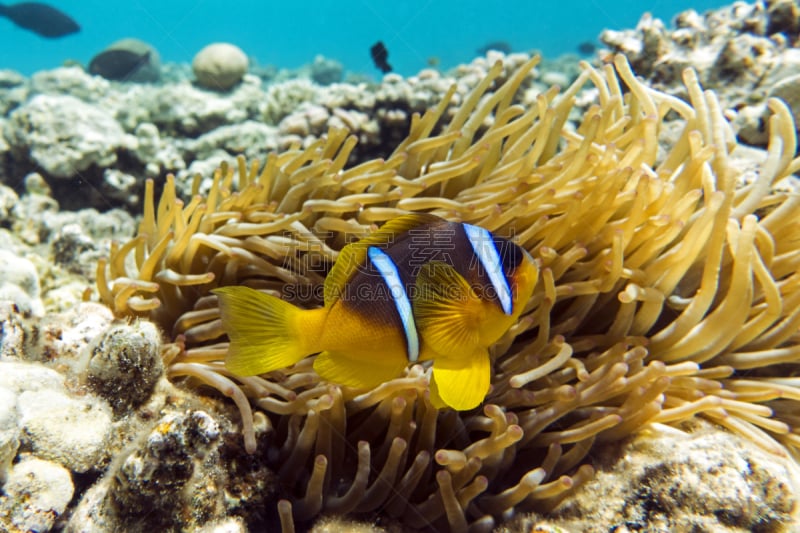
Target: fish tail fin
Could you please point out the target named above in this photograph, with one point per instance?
(265, 332)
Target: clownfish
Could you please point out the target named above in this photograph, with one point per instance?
(418, 289)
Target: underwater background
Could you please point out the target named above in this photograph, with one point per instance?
(647, 162)
(289, 34)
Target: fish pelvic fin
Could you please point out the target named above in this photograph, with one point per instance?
(447, 310)
(461, 382)
(265, 332)
(356, 372)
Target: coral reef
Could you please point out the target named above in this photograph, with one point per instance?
(703, 479)
(127, 133)
(325, 71)
(20, 283)
(165, 463)
(747, 52)
(650, 383)
(219, 66)
(125, 364)
(36, 494)
(91, 443)
(80, 135)
(669, 290)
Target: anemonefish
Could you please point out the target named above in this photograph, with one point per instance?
(418, 289)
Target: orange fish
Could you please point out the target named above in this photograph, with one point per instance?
(419, 289)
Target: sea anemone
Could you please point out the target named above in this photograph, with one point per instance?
(669, 288)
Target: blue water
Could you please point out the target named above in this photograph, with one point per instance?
(289, 34)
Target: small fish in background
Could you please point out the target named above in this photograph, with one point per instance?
(118, 65)
(434, 61)
(500, 46)
(380, 56)
(418, 289)
(39, 18)
(586, 48)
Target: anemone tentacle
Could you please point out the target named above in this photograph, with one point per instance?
(669, 290)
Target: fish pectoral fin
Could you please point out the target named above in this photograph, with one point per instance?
(354, 255)
(356, 372)
(447, 311)
(265, 332)
(461, 383)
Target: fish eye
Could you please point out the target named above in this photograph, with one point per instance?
(510, 253)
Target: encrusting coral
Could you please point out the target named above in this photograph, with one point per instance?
(668, 289)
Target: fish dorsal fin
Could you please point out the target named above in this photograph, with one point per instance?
(448, 313)
(354, 254)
